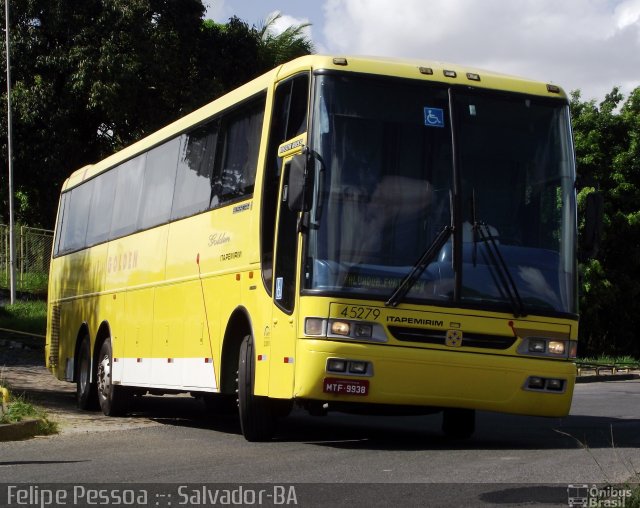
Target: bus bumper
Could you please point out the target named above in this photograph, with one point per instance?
(434, 378)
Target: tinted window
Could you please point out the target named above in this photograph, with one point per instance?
(76, 217)
(195, 167)
(286, 260)
(60, 226)
(211, 165)
(239, 148)
(289, 118)
(128, 192)
(159, 181)
(104, 191)
(297, 122)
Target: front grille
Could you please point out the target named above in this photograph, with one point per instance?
(477, 340)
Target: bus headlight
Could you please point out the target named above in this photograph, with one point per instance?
(542, 346)
(556, 347)
(537, 345)
(362, 331)
(344, 329)
(340, 328)
(314, 326)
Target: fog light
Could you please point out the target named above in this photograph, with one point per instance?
(556, 347)
(537, 383)
(363, 331)
(537, 345)
(358, 367)
(314, 326)
(336, 365)
(555, 384)
(340, 328)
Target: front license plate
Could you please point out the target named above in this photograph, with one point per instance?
(346, 386)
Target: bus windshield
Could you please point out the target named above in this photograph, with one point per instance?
(405, 159)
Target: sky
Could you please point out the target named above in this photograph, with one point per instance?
(590, 45)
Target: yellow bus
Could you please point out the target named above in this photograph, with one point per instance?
(340, 234)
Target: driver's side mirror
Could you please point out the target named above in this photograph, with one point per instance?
(300, 184)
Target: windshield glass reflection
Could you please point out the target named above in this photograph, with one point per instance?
(387, 191)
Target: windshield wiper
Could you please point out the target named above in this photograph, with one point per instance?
(480, 229)
(504, 278)
(425, 260)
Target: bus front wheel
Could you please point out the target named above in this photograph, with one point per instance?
(114, 399)
(86, 392)
(257, 418)
(458, 423)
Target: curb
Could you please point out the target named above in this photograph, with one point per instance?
(25, 429)
(608, 377)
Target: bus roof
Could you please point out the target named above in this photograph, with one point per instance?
(429, 70)
(433, 71)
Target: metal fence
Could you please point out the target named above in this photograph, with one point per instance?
(33, 253)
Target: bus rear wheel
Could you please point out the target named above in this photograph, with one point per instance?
(86, 391)
(114, 399)
(458, 423)
(257, 418)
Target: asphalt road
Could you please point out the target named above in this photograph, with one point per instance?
(509, 461)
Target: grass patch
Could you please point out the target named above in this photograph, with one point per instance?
(19, 409)
(610, 360)
(34, 282)
(30, 316)
(634, 500)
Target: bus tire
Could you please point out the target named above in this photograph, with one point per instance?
(114, 399)
(458, 423)
(257, 419)
(86, 390)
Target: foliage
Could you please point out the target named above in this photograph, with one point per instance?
(284, 46)
(28, 316)
(634, 500)
(19, 409)
(626, 361)
(93, 76)
(607, 142)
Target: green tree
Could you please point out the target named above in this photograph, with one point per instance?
(607, 141)
(276, 48)
(92, 76)
(89, 77)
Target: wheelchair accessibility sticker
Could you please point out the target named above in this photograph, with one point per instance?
(433, 117)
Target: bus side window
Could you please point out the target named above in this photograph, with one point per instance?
(159, 182)
(195, 167)
(61, 224)
(76, 217)
(128, 192)
(289, 119)
(104, 191)
(239, 145)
